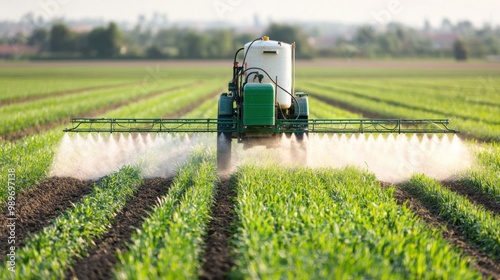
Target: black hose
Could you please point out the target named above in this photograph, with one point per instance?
(245, 57)
(258, 68)
(236, 54)
(248, 76)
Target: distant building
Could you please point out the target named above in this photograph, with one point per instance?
(493, 58)
(12, 51)
(442, 40)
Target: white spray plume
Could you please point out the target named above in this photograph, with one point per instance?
(391, 158)
(92, 156)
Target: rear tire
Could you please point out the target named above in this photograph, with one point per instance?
(301, 148)
(223, 151)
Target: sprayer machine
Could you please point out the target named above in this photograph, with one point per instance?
(260, 103)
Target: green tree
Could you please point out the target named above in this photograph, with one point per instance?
(62, 40)
(194, 45)
(221, 45)
(39, 38)
(459, 50)
(291, 34)
(154, 52)
(105, 42)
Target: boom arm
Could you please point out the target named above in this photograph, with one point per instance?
(111, 125)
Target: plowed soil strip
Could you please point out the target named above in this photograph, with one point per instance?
(102, 257)
(61, 93)
(40, 128)
(36, 207)
(217, 261)
(486, 201)
(480, 260)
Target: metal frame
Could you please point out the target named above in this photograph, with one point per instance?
(111, 125)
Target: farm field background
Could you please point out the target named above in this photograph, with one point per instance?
(259, 221)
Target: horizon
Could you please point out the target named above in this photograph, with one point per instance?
(236, 12)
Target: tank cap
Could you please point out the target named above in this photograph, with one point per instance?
(265, 38)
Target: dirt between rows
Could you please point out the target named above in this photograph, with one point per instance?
(37, 207)
(481, 261)
(217, 259)
(485, 201)
(102, 257)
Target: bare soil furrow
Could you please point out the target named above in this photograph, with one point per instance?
(473, 195)
(217, 261)
(37, 207)
(482, 262)
(101, 259)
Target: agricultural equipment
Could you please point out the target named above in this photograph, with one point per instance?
(260, 103)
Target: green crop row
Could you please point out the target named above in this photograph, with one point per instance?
(484, 177)
(32, 156)
(206, 110)
(169, 242)
(419, 100)
(20, 116)
(32, 80)
(48, 254)
(442, 90)
(15, 88)
(478, 224)
(333, 224)
(161, 106)
(318, 109)
(482, 130)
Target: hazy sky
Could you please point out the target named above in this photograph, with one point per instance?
(411, 12)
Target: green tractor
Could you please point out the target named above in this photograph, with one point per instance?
(260, 104)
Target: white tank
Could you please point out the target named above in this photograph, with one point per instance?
(276, 58)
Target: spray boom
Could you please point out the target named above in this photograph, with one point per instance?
(110, 125)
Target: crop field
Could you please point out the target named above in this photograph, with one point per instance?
(154, 206)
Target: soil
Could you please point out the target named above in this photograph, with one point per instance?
(217, 261)
(37, 207)
(482, 262)
(486, 201)
(102, 257)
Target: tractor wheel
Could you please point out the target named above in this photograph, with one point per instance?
(224, 151)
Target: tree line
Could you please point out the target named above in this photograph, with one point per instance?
(397, 41)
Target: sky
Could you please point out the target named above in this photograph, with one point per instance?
(411, 12)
